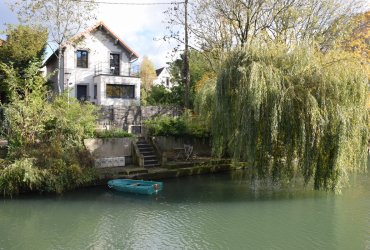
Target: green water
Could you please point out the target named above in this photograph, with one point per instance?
(221, 211)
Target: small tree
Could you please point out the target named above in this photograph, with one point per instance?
(147, 76)
(147, 73)
(24, 44)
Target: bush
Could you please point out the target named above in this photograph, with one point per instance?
(111, 134)
(159, 95)
(48, 131)
(20, 176)
(178, 126)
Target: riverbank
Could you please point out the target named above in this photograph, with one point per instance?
(170, 170)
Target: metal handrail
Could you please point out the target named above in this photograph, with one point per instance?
(104, 68)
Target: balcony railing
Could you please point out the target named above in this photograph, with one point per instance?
(106, 69)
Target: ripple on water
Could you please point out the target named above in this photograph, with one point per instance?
(192, 213)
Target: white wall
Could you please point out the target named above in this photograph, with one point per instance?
(162, 79)
(102, 99)
(99, 45)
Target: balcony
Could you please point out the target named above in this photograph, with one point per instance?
(107, 69)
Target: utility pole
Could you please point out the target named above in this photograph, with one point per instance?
(185, 70)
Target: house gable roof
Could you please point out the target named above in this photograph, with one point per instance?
(159, 71)
(99, 25)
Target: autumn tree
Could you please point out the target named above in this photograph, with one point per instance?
(62, 18)
(219, 26)
(358, 42)
(147, 76)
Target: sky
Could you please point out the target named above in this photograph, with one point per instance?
(140, 27)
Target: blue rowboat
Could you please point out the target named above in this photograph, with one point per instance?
(136, 186)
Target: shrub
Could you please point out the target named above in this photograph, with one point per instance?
(160, 95)
(185, 125)
(51, 132)
(112, 134)
(20, 176)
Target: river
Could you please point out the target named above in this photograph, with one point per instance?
(221, 211)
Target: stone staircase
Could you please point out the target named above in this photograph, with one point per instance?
(150, 158)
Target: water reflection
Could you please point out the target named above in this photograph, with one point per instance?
(200, 212)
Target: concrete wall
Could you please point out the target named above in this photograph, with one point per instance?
(123, 116)
(112, 147)
(201, 147)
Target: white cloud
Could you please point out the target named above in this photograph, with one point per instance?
(140, 27)
(136, 25)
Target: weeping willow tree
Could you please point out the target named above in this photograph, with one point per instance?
(288, 111)
(204, 100)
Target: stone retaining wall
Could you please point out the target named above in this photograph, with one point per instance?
(123, 116)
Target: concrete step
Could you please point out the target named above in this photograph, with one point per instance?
(151, 165)
(147, 151)
(150, 157)
(150, 161)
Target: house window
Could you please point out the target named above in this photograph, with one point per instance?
(167, 81)
(82, 59)
(120, 91)
(95, 91)
(114, 64)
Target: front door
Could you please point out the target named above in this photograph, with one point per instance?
(82, 92)
(114, 64)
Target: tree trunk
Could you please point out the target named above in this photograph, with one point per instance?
(186, 78)
(59, 78)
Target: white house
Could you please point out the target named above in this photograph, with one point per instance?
(97, 67)
(163, 78)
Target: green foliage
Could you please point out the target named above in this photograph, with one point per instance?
(288, 110)
(159, 95)
(198, 66)
(25, 113)
(20, 176)
(24, 44)
(185, 125)
(205, 100)
(111, 134)
(49, 131)
(71, 120)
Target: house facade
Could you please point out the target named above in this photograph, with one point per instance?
(163, 78)
(96, 66)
